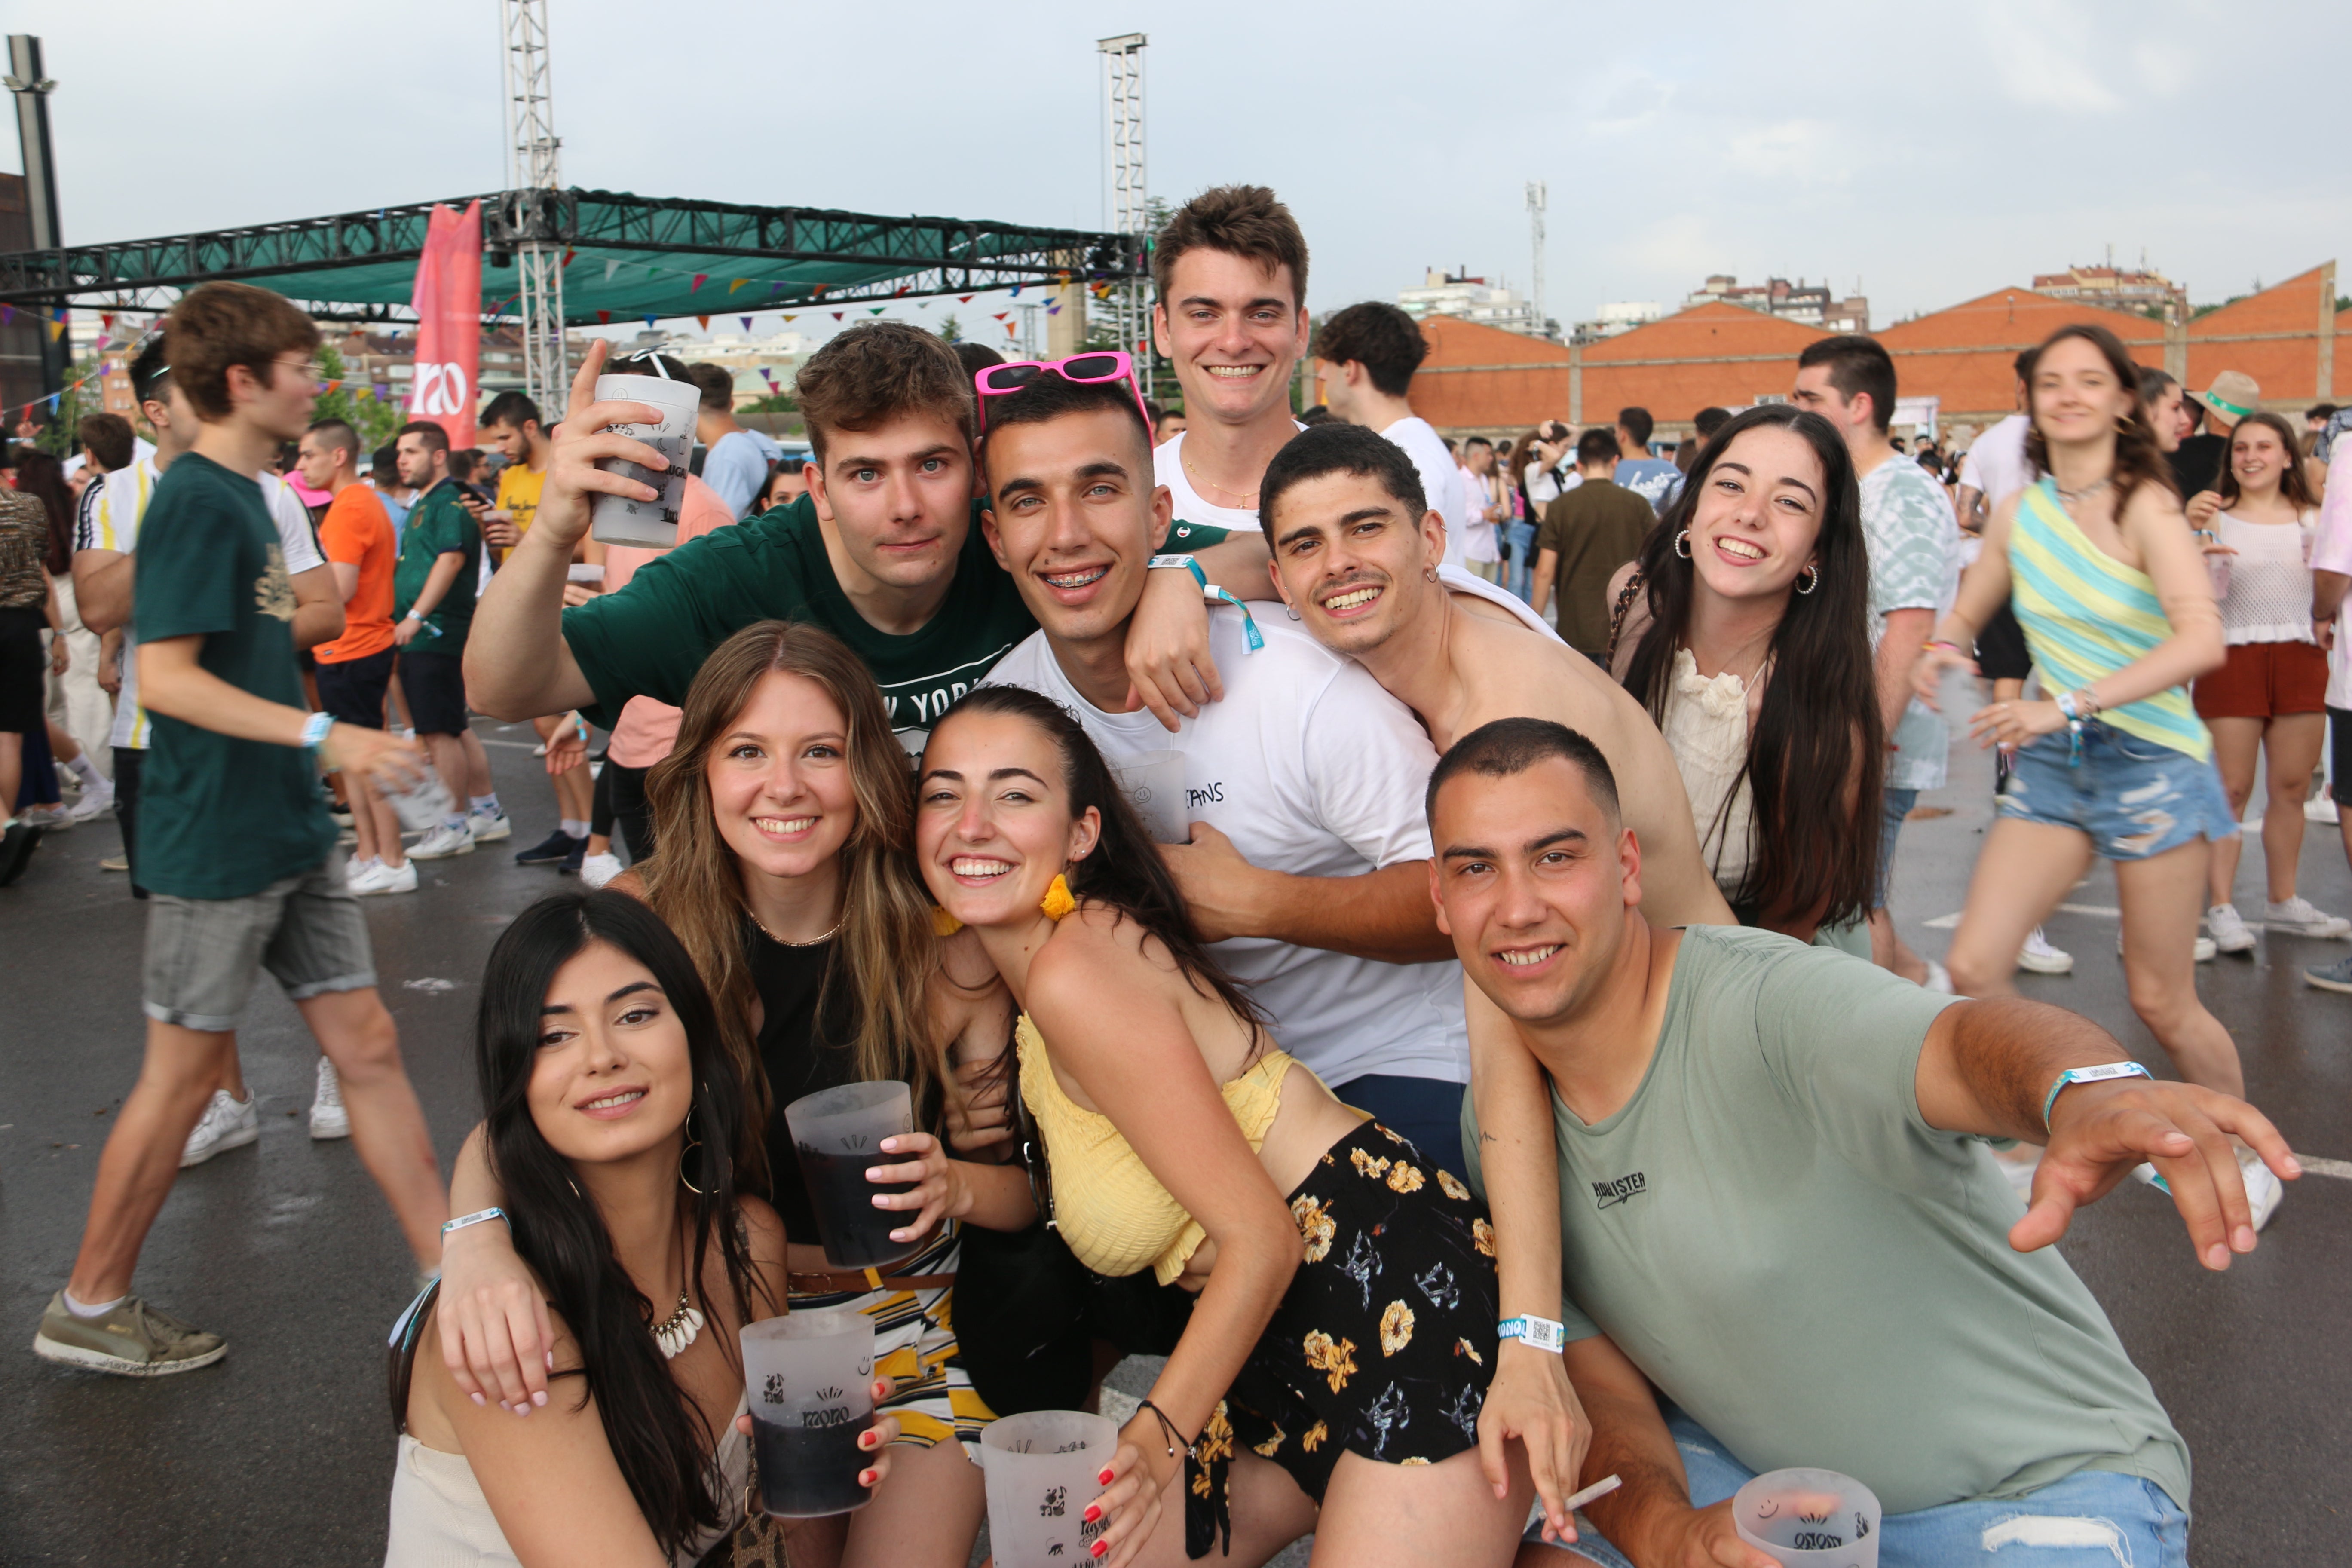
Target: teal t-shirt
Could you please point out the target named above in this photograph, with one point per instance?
(1771, 1232)
(221, 817)
(650, 638)
(437, 526)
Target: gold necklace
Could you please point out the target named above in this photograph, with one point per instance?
(812, 942)
(1251, 503)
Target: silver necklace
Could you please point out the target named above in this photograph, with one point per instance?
(679, 1330)
(2087, 491)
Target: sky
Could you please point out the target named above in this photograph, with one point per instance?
(1929, 153)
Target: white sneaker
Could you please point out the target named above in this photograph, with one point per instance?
(598, 869)
(385, 879)
(2039, 956)
(2230, 932)
(93, 801)
(225, 1124)
(443, 842)
(357, 871)
(327, 1117)
(2321, 808)
(2297, 918)
(488, 826)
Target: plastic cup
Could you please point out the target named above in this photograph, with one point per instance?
(1042, 1470)
(1809, 1519)
(1153, 782)
(838, 1133)
(425, 805)
(618, 519)
(808, 1381)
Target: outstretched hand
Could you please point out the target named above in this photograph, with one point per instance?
(1532, 1400)
(2099, 1132)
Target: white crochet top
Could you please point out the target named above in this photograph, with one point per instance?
(2265, 588)
(1706, 729)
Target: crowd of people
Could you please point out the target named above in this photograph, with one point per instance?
(1453, 1089)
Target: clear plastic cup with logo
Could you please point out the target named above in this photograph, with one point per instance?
(837, 1135)
(1044, 1468)
(623, 519)
(1809, 1519)
(808, 1381)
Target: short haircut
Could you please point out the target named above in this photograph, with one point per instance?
(879, 371)
(1320, 414)
(717, 384)
(513, 409)
(2321, 411)
(1339, 448)
(108, 439)
(385, 465)
(1857, 365)
(1050, 397)
(218, 326)
(1247, 221)
(461, 464)
(1708, 421)
(1638, 425)
(1382, 339)
(976, 357)
(1598, 445)
(335, 436)
(434, 437)
(1511, 746)
(151, 371)
(2023, 364)
(1478, 441)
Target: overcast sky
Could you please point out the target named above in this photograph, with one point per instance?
(1930, 152)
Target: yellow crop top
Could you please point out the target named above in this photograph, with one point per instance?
(1110, 1208)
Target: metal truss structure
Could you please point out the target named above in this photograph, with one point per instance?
(1128, 175)
(533, 174)
(1537, 199)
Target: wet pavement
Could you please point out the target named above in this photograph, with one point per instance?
(283, 1452)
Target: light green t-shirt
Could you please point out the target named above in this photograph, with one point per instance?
(1774, 1234)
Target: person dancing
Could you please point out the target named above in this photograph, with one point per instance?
(2119, 614)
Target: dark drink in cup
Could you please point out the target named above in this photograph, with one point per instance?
(855, 1234)
(807, 1472)
(808, 1381)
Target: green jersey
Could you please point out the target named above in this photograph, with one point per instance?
(439, 526)
(1774, 1234)
(221, 817)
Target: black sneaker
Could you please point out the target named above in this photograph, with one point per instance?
(553, 850)
(574, 857)
(17, 847)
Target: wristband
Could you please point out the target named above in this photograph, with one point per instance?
(414, 614)
(1256, 638)
(477, 1217)
(1955, 648)
(2065, 701)
(1541, 1332)
(314, 730)
(2103, 1073)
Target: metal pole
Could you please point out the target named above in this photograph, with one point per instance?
(1536, 202)
(533, 170)
(32, 90)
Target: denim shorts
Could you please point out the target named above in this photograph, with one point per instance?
(2133, 798)
(1896, 810)
(2092, 1519)
(203, 953)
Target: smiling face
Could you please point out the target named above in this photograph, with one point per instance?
(1074, 515)
(612, 1077)
(780, 789)
(898, 496)
(1759, 515)
(993, 821)
(1533, 879)
(1351, 559)
(1235, 330)
(2257, 458)
(2076, 397)
(2164, 413)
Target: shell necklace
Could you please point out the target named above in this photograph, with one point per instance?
(679, 1330)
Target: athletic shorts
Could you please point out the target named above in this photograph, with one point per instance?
(915, 1344)
(2339, 755)
(435, 685)
(203, 953)
(2132, 798)
(22, 665)
(2002, 653)
(353, 692)
(2265, 680)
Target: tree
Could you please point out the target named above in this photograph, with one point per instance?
(773, 403)
(377, 419)
(950, 329)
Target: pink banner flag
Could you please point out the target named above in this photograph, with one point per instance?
(448, 305)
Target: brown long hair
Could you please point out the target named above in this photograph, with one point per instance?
(889, 948)
(2138, 459)
(2292, 485)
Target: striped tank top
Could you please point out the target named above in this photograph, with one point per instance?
(2088, 614)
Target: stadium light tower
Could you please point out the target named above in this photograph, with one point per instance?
(531, 169)
(1129, 197)
(1536, 202)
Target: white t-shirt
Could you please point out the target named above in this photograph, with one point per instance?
(2331, 550)
(1168, 469)
(110, 520)
(1995, 467)
(1311, 769)
(1478, 542)
(1440, 481)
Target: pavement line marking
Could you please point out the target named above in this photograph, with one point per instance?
(2339, 1169)
(512, 745)
(1950, 921)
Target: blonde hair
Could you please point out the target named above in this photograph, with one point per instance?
(889, 948)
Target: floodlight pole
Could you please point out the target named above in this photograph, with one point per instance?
(1536, 202)
(531, 168)
(1129, 187)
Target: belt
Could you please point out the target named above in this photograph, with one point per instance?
(859, 1281)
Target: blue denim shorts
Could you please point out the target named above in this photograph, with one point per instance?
(2133, 798)
(1895, 810)
(2092, 1519)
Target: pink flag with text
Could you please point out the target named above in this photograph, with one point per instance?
(448, 305)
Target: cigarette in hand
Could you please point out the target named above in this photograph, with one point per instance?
(1598, 1489)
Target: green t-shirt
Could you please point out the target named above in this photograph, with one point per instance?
(219, 817)
(1777, 1239)
(439, 526)
(650, 638)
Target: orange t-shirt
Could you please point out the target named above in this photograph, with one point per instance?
(357, 532)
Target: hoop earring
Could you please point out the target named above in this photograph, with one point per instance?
(1290, 609)
(683, 1156)
(1429, 573)
(1816, 578)
(1681, 544)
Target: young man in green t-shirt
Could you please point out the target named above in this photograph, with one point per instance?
(433, 608)
(884, 551)
(1765, 1184)
(236, 847)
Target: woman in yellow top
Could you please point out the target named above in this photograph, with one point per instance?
(1330, 1376)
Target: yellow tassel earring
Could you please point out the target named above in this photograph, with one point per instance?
(1057, 901)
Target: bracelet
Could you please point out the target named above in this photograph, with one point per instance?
(314, 730)
(1252, 637)
(477, 1217)
(2065, 701)
(1955, 648)
(1542, 1333)
(2104, 1073)
(1177, 1442)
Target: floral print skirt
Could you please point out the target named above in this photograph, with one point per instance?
(1383, 1346)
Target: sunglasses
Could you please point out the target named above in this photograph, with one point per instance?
(1102, 364)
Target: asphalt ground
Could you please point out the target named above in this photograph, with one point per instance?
(283, 1452)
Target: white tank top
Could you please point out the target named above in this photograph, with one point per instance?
(1706, 730)
(2265, 588)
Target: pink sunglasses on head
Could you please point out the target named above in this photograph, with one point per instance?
(1101, 364)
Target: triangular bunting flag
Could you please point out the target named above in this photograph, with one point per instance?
(838, 314)
(966, 299)
(650, 321)
(611, 268)
(699, 279)
(1001, 314)
(7, 312)
(603, 318)
(900, 291)
(569, 252)
(1011, 331)
(705, 320)
(767, 375)
(775, 290)
(877, 310)
(818, 291)
(793, 317)
(1055, 309)
(1016, 290)
(735, 283)
(746, 323)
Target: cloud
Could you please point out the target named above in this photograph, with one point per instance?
(2042, 51)
(1812, 150)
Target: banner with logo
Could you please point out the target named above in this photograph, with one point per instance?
(448, 305)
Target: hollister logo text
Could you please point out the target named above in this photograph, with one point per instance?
(1622, 1190)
